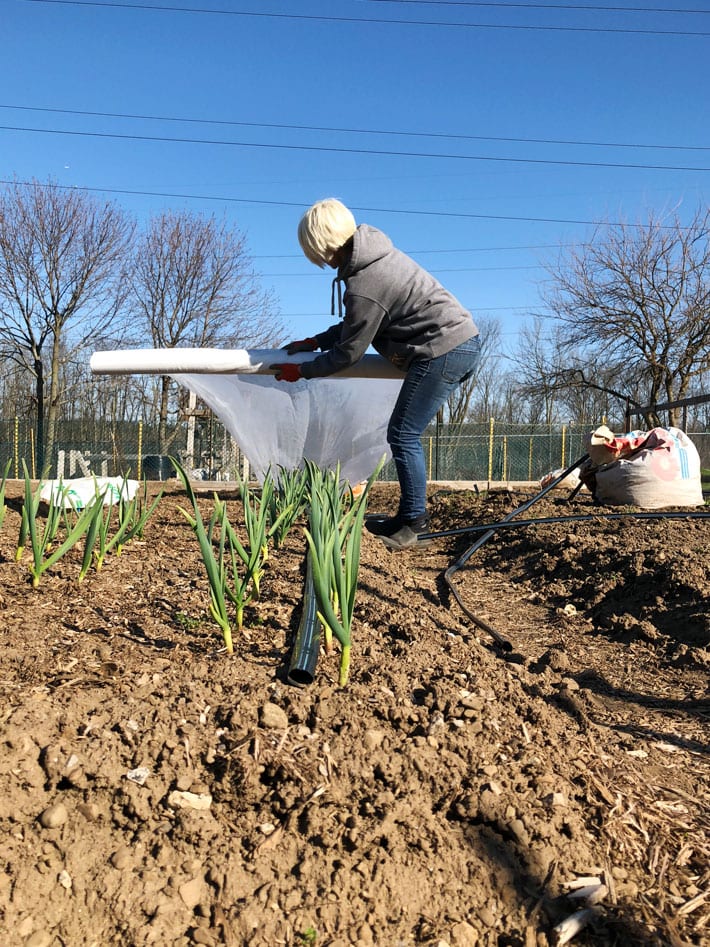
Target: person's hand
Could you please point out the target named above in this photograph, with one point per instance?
(301, 345)
(287, 371)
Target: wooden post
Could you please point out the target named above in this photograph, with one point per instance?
(530, 457)
(490, 449)
(17, 448)
(564, 438)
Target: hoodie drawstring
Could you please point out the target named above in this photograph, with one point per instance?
(336, 282)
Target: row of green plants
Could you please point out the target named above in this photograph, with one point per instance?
(234, 569)
(98, 528)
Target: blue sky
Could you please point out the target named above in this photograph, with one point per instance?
(481, 138)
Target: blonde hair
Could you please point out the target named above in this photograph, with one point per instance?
(323, 230)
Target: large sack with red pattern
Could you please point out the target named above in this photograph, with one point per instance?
(649, 469)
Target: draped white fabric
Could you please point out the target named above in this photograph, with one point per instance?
(326, 420)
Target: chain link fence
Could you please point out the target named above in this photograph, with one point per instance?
(488, 452)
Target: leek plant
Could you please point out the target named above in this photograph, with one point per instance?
(136, 513)
(286, 501)
(234, 569)
(131, 516)
(244, 586)
(214, 564)
(334, 537)
(262, 520)
(40, 537)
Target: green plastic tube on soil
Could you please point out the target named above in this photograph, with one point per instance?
(306, 647)
(334, 540)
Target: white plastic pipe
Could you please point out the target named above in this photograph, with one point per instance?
(211, 361)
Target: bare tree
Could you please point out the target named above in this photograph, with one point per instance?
(459, 405)
(61, 258)
(193, 284)
(536, 362)
(636, 300)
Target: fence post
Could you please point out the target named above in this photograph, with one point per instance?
(505, 458)
(439, 422)
(530, 456)
(17, 448)
(564, 438)
(140, 450)
(490, 449)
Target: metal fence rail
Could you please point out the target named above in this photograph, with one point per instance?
(483, 452)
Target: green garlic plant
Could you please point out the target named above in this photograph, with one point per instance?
(40, 538)
(234, 570)
(286, 500)
(131, 518)
(334, 537)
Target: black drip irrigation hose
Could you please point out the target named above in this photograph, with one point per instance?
(574, 518)
(499, 639)
(306, 648)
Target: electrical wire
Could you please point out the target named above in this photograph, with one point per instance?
(368, 210)
(359, 131)
(502, 4)
(353, 151)
(370, 20)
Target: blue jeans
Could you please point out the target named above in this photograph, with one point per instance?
(427, 385)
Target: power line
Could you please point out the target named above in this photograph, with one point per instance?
(356, 131)
(541, 6)
(305, 204)
(456, 269)
(370, 20)
(353, 151)
(536, 246)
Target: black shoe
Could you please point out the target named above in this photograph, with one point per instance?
(407, 535)
(383, 525)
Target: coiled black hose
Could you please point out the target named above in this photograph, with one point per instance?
(499, 639)
(491, 528)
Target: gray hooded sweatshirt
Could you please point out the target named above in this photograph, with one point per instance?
(392, 304)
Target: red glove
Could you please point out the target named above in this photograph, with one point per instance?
(288, 371)
(302, 345)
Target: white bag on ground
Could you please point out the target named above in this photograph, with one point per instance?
(82, 491)
(651, 470)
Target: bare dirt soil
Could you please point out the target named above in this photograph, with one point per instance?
(154, 790)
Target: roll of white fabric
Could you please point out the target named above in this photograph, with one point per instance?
(211, 361)
(338, 420)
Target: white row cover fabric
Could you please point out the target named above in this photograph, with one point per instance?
(222, 361)
(341, 419)
(329, 421)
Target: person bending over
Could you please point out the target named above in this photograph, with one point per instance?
(393, 304)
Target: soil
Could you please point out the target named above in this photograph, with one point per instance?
(155, 790)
